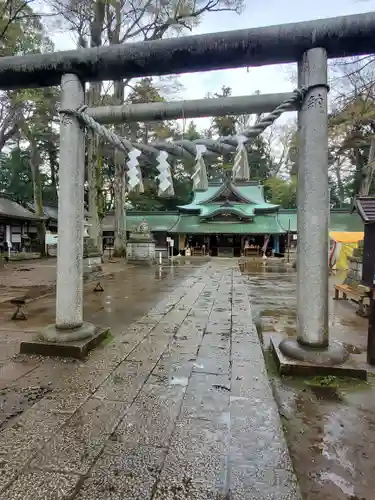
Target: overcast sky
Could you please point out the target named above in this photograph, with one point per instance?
(262, 13)
(257, 13)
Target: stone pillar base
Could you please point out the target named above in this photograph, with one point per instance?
(72, 343)
(58, 335)
(333, 354)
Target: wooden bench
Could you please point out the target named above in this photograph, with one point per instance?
(19, 302)
(357, 294)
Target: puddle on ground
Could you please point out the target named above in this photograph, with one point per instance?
(160, 274)
(339, 481)
(14, 401)
(326, 393)
(264, 266)
(277, 313)
(225, 418)
(183, 381)
(330, 428)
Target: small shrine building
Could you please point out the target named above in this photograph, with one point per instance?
(229, 219)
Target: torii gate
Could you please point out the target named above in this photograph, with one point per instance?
(308, 43)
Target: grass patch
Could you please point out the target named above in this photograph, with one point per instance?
(108, 338)
(326, 381)
(343, 383)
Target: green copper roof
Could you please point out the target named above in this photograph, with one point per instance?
(254, 194)
(345, 222)
(339, 221)
(249, 193)
(288, 221)
(214, 208)
(174, 222)
(262, 224)
(158, 221)
(203, 196)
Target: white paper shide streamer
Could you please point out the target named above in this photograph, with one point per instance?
(165, 176)
(134, 171)
(200, 179)
(241, 170)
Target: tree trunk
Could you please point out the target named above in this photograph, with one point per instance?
(38, 195)
(368, 171)
(94, 188)
(340, 186)
(52, 156)
(119, 249)
(94, 178)
(120, 228)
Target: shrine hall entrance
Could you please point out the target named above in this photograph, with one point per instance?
(235, 245)
(229, 245)
(225, 245)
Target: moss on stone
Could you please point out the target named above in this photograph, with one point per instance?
(342, 383)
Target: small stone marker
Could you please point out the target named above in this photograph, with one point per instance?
(98, 287)
(19, 302)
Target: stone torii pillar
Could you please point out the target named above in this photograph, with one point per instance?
(69, 335)
(69, 290)
(312, 342)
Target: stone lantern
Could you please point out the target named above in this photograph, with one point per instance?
(140, 247)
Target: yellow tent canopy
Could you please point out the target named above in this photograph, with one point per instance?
(344, 237)
(343, 246)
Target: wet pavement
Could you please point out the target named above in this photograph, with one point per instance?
(175, 405)
(129, 292)
(329, 422)
(177, 402)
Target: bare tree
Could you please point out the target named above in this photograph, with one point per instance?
(12, 14)
(21, 31)
(353, 118)
(10, 115)
(124, 21)
(279, 139)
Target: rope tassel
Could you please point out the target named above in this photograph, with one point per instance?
(135, 181)
(200, 179)
(165, 187)
(241, 170)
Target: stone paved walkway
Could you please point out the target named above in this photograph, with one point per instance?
(177, 407)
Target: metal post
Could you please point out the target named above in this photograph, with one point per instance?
(288, 241)
(371, 331)
(69, 290)
(313, 218)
